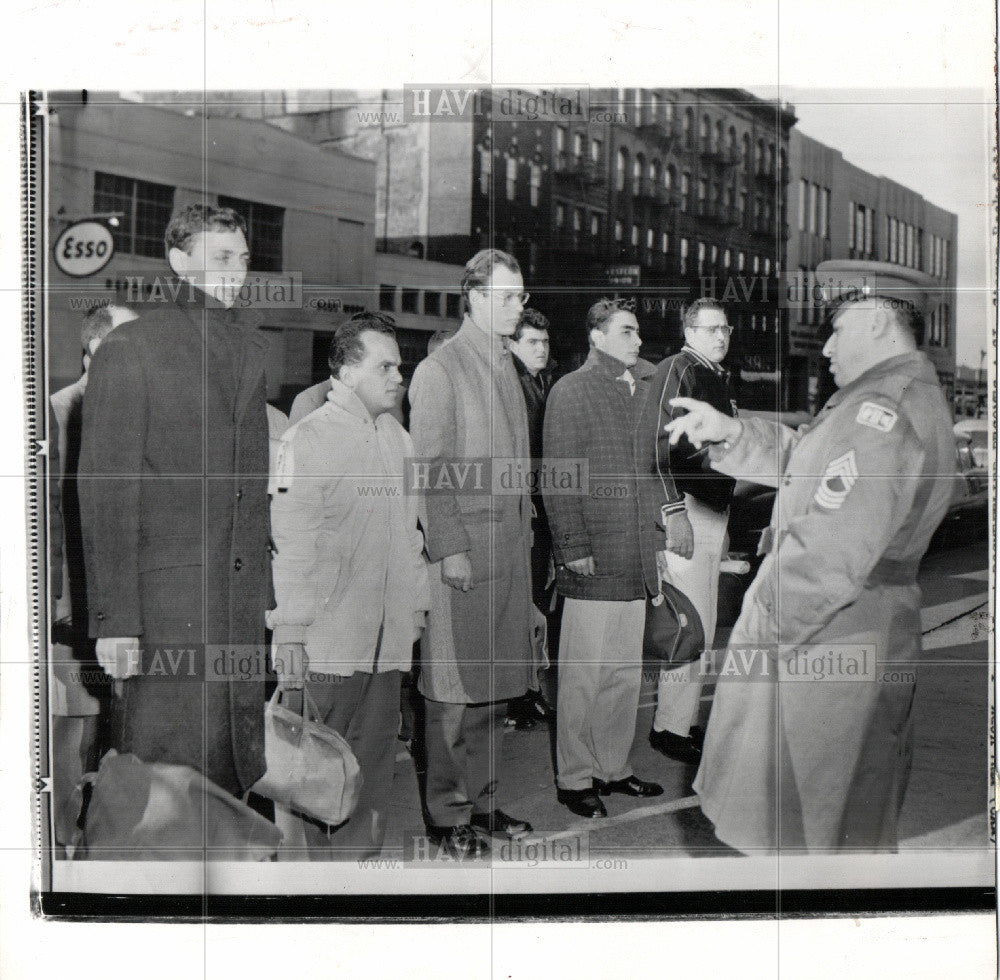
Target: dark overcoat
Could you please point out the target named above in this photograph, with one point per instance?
(173, 495)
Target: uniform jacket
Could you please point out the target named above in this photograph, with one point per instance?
(682, 468)
(592, 416)
(467, 406)
(349, 563)
(861, 491)
(174, 509)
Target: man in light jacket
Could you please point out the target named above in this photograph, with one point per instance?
(349, 574)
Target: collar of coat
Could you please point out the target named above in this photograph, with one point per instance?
(344, 398)
(490, 346)
(704, 361)
(545, 373)
(190, 300)
(912, 364)
(612, 368)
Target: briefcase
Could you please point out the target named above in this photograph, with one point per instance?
(674, 633)
(310, 767)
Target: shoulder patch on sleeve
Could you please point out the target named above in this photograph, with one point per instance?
(840, 476)
(876, 416)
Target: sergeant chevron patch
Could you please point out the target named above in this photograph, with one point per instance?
(841, 474)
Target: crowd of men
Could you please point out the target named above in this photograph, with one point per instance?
(205, 520)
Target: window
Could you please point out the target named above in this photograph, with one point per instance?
(595, 226)
(579, 145)
(485, 170)
(756, 264)
(650, 239)
(595, 151)
(746, 151)
(638, 166)
(741, 261)
(410, 300)
(432, 303)
(688, 126)
(654, 107)
(701, 258)
(511, 178)
(453, 305)
(560, 215)
(869, 230)
(910, 254)
(767, 266)
(727, 257)
(560, 139)
(702, 190)
(578, 218)
(720, 137)
(944, 258)
(715, 255)
(635, 235)
(921, 259)
(387, 298)
(824, 212)
(619, 231)
(859, 228)
(669, 177)
(685, 191)
(684, 256)
(705, 129)
(621, 168)
(535, 185)
(264, 232)
(668, 111)
(664, 243)
(654, 172)
(145, 212)
(892, 239)
(813, 208)
(743, 206)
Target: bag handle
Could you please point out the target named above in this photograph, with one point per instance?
(309, 711)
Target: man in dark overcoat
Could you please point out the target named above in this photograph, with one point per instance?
(173, 496)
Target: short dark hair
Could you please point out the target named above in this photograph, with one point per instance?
(531, 320)
(479, 269)
(604, 309)
(192, 219)
(703, 303)
(98, 323)
(347, 347)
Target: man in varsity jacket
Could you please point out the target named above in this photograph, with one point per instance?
(696, 514)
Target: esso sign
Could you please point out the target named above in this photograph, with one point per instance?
(84, 248)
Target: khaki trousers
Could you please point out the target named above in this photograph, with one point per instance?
(600, 672)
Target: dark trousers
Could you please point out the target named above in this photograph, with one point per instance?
(364, 708)
(462, 742)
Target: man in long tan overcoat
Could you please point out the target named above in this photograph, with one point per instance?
(468, 418)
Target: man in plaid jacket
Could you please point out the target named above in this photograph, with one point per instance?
(605, 539)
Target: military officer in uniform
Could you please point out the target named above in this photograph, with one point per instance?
(809, 747)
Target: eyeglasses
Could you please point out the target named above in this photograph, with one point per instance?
(507, 298)
(723, 328)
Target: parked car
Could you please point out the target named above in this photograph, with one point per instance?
(968, 514)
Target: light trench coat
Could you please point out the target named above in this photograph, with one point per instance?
(805, 751)
(349, 564)
(468, 407)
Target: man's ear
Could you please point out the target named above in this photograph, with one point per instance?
(594, 335)
(883, 322)
(178, 260)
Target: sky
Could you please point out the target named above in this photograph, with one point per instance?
(938, 143)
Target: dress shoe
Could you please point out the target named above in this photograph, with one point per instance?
(525, 712)
(629, 786)
(582, 802)
(461, 842)
(683, 748)
(501, 824)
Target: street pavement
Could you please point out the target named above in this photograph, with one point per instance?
(946, 805)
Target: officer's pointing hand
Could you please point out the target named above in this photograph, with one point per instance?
(701, 424)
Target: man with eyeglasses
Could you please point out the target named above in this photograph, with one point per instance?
(695, 516)
(468, 416)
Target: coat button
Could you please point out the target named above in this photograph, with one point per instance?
(100, 616)
(239, 494)
(238, 564)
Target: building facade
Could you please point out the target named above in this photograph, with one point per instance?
(839, 211)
